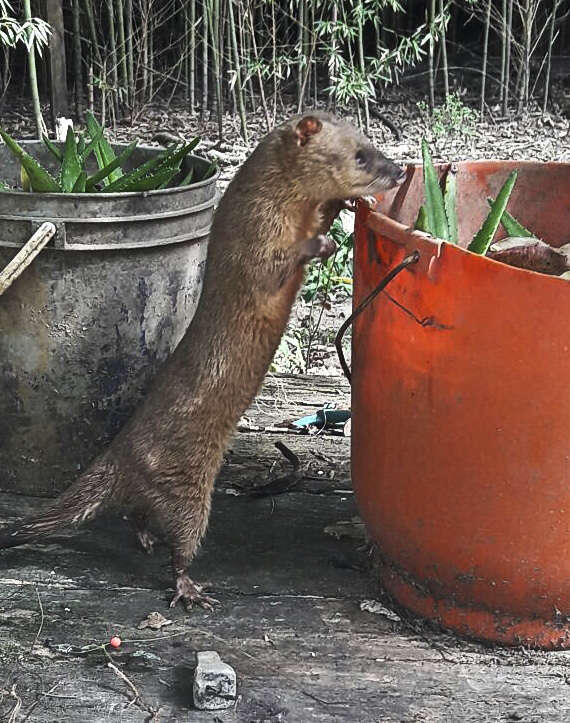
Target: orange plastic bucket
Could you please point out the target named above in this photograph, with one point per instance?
(461, 413)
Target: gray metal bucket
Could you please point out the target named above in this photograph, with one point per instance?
(86, 326)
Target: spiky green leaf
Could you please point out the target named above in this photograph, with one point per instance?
(450, 204)
(421, 221)
(103, 173)
(484, 237)
(169, 159)
(512, 226)
(435, 209)
(71, 166)
(40, 179)
(79, 185)
(103, 151)
(52, 148)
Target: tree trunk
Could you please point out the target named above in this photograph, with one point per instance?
(77, 64)
(549, 58)
(58, 75)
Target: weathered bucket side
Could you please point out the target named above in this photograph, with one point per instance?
(88, 324)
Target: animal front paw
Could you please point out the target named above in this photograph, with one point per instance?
(319, 247)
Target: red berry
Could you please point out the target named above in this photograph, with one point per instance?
(115, 641)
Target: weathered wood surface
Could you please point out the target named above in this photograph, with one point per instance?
(290, 621)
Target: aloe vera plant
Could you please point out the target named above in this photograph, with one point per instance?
(438, 216)
(161, 171)
(484, 237)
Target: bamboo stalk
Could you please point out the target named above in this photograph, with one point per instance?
(549, 58)
(238, 84)
(122, 50)
(130, 54)
(485, 53)
(33, 76)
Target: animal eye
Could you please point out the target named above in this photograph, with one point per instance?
(360, 158)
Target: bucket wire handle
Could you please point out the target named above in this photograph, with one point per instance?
(413, 258)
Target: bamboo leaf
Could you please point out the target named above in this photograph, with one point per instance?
(512, 226)
(450, 204)
(435, 210)
(484, 237)
(41, 180)
(71, 167)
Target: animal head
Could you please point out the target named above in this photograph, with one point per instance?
(340, 159)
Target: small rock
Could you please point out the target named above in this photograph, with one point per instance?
(214, 682)
(375, 607)
(154, 621)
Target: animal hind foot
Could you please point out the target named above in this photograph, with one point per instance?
(191, 594)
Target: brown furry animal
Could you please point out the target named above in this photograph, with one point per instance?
(269, 223)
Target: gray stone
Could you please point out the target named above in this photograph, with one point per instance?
(214, 682)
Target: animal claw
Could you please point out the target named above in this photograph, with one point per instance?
(191, 594)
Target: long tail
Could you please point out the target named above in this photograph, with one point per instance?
(80, 502)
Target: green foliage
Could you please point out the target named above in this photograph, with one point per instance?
(336, 272)
(453, 118)
(435, 210)
(160, 171)
(438, 216)
(32, 33)
(484, 237)
(512, 227)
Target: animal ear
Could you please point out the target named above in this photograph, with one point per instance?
(307, 127)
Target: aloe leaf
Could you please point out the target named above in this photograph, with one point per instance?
(41, 180)
(450, 204)
(512, 226)
(90, 147)
(80, 145)
(187, 180)
(484, 237)
(421, 221)
(169, 159)
(210, 171)
(103, 151)
(435, 210)
(52, 148)
(79, 185)
(71, 167)
(96, 178)
(153, 181)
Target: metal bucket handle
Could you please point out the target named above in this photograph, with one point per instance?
(413, 258)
